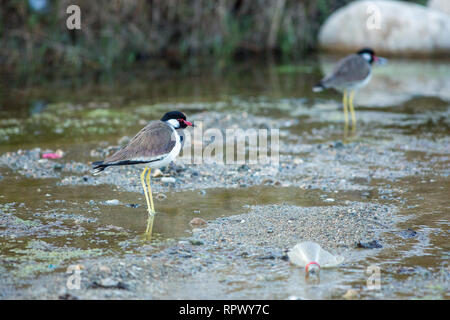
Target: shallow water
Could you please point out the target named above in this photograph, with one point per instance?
(404, 99)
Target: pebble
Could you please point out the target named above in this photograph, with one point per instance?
(374, 244)
(104, 269)
(158, 173)
(168, 180)
(108, 282)
(68, 296)
(408, 233)
(113, 202)
(197, 221)
(196, 242)
(133, 205)
(160, 196)
(350, 294)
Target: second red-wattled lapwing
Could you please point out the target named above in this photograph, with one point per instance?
(350, 74)
(155, 146)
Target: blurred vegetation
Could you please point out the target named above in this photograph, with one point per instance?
(114, 33)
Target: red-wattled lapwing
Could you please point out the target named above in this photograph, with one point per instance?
(155, 146)
(351, 73)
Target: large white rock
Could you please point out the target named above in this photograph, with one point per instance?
(440, 5)
(389, 27)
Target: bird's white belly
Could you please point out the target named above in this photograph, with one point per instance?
(171, 156)
(361, 84)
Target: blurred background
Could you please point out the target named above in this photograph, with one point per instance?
(177, 33)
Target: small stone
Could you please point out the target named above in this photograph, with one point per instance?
(329, 200)
(67, 296)
(160, 196)
(244, 167)
(374, 244)
(197, 221)
(338, 144)
(104, 269)
(108, 282)
(350, 294)
(196, 242)
(409, 233)
(168, 180)
(60, 153)
(406, 270)
(158, 173)
(133, 205)
(113, 202)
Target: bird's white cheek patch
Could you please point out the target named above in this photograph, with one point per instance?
(174, 123)
(367, 57)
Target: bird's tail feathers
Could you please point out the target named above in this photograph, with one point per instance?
(98, 167)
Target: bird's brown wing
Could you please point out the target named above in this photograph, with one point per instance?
(348, 71)
(153, 142)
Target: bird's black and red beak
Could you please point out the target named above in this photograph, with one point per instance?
(379, 60)
(186, 123)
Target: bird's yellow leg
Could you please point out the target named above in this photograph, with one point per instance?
(352, 110)
(344, 102)
(151, 213)
(149, 227)
(150, 190)
(145, 188)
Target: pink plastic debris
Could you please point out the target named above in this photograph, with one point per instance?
(51, 156)
(58, 154)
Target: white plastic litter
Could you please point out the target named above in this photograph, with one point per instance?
(310, 254)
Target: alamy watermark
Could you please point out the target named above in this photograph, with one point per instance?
(73, 21)
(74, 280)
(374, 17)
(231, 146)
(374, 279)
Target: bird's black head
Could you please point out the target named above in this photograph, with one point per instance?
(368, 54)
(176, 119)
